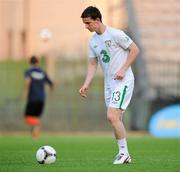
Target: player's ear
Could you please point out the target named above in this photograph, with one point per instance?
(98, 19)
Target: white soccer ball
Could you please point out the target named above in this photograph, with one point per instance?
(46, 155)
(45, 34)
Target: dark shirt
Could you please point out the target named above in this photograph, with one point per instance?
(37, 86)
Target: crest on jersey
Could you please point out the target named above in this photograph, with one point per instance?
(108, 43)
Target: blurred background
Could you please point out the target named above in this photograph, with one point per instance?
(53, 30)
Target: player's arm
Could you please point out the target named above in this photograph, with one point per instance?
(27, 83)
(92, 67)
(48, 80)
(133, 52)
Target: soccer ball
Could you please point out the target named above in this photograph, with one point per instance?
(46, 155)
(45, 34)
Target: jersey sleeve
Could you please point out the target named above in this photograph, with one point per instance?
(27, 74)
(123, 39)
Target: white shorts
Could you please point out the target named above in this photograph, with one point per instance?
(118, 94)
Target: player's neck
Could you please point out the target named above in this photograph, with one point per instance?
(35, 66)
(101, 29)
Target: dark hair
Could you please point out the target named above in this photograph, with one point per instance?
(33, 60)
(92, 12)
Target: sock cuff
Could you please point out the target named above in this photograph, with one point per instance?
(122, 141)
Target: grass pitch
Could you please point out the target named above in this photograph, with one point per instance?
(89, 154)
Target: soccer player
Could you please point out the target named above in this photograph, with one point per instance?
(115, 52)
(35, 80)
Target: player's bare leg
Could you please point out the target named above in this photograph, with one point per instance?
(35, 131)
(115, 117)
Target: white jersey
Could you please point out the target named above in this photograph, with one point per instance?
(110, 48)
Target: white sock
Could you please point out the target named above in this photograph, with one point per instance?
(122, 145)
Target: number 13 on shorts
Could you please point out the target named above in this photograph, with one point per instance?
(121, 96)
(116, 96)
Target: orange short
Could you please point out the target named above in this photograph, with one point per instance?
(31, 120)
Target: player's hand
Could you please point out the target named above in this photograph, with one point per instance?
(120, 74)
(83, 91)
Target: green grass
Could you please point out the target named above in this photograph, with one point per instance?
(89, 154)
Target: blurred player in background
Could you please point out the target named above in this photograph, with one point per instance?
(35, 80)
(115, 52)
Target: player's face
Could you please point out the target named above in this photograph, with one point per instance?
(90, 24)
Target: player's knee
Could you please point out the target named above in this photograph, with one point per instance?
(111, 117)
(114, 116)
